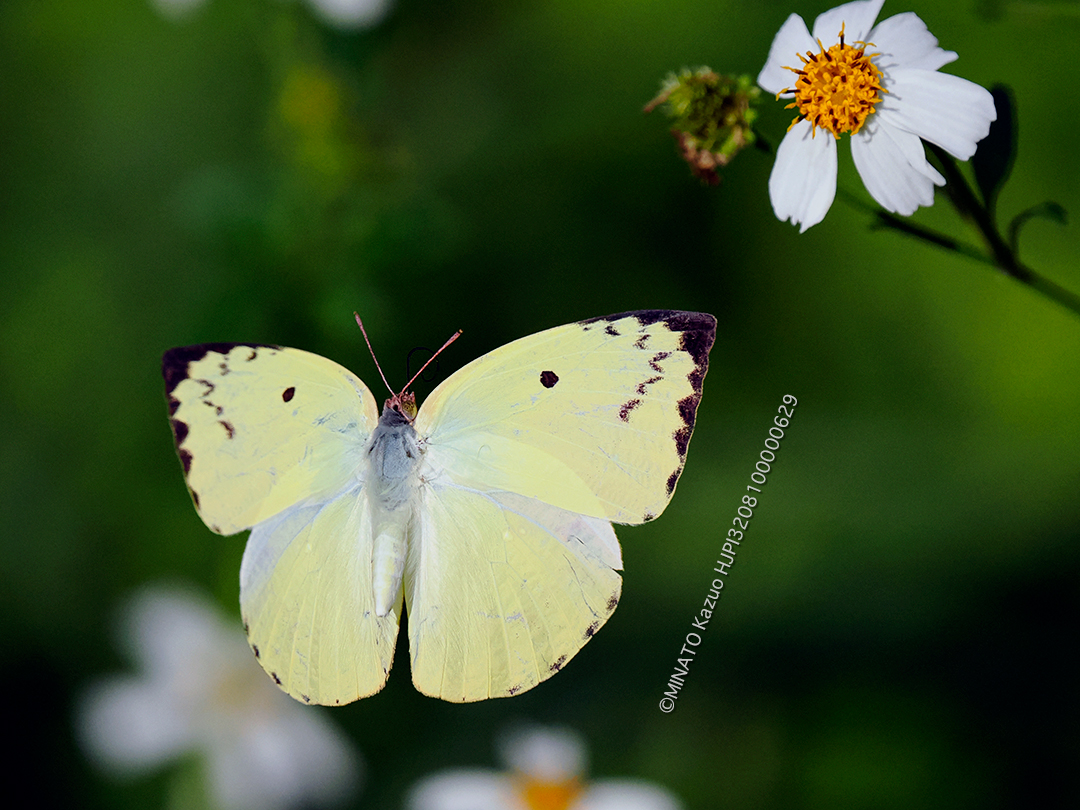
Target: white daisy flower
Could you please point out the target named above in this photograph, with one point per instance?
(200, 690)
(546, 767)
(880, 83)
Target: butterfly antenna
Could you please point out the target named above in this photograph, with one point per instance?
(451, 339)
(360, 323)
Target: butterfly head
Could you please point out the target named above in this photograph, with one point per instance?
(404, 403)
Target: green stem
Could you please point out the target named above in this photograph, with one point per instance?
(1001, 255)
(969, 205)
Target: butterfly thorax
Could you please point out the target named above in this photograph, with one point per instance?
(393, 461)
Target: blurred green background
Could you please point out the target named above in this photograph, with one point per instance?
(895, 631)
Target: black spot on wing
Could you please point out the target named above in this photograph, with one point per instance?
(688, 413)
(288, 393)
(612, 602)
(590, 631)
(682, 440)
(641, 341)
(179, 430)
(649, 515)
(184, 455)
(305, 698)
(548, 379)
(651, 381)
(230, 431)
(558, 664)
(277, 680)
(513, 690)
(175, 362)
(654, 364)
(624, 411)
(611, 330)
(254, 648)
(673, 479)
(195, 497)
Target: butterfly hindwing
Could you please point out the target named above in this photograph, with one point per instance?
(503, 590)
(307, 601)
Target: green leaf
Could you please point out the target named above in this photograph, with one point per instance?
(1047, 210)
(993, 159)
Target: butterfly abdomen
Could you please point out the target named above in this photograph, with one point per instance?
(393, 458)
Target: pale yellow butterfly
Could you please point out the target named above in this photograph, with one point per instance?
(489, 511)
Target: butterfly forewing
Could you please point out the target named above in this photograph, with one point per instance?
(594, 417)
(259, 428)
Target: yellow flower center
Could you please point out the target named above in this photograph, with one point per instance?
(837, 88)
(540, 795)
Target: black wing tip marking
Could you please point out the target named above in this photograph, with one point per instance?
(612, 602)
(590, 631)
(558, 664)
(677, 320)
(175, 362)
(673, 479)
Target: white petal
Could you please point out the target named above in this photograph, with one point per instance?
(177, 9)
(352, 13)
(626, 794)
(546, 754)
(857, 18)
(463, 790)
(803, 180)
(293, 758)
(127, 725)
(905, 42)
(941, 108)
(791, 40)
(893, 167)
(173, 633)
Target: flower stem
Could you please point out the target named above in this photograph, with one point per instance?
(1001, 255)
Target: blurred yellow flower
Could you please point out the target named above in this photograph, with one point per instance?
(546, 769)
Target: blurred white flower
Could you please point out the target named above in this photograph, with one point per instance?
(880, 83)
(338, 13)
(201, 690)
(546, 768)
(351, 13)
